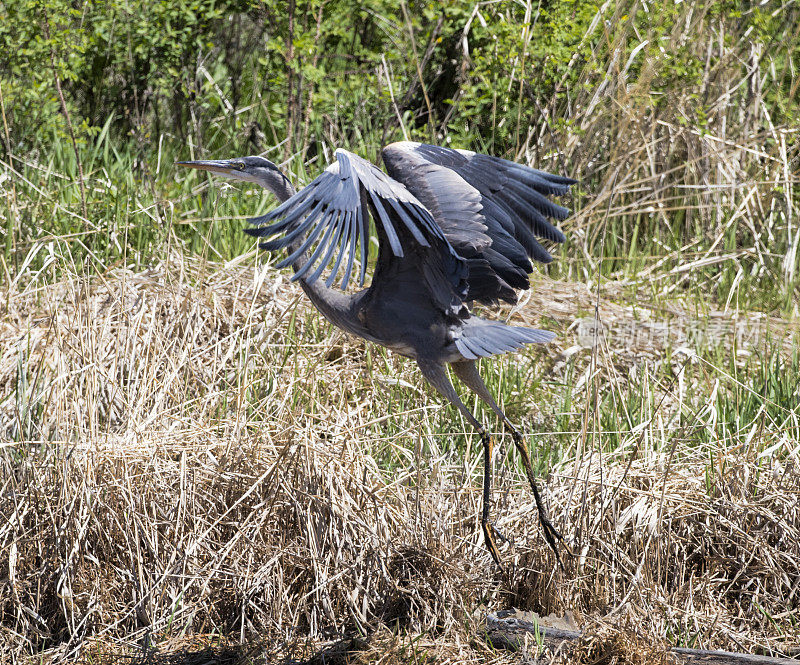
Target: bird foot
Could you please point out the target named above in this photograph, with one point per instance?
(500, 535)
(551, 534)
(490, 537)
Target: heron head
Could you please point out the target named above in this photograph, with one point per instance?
(249, 169)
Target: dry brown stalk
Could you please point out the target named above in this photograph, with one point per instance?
(166, 486)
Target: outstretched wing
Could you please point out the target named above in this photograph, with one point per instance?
(331, 218)
(491, 210)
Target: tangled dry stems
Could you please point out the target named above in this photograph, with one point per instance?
(183, 455)
(169, 482)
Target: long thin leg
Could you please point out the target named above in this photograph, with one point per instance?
(437, 376)
(467, 372)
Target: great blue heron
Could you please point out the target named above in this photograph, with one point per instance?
(454, 227)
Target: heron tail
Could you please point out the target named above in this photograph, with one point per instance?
(481, 338)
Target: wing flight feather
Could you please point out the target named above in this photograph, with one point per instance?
(491, 210)
(333, 212)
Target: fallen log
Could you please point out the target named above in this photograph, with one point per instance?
(517, 631)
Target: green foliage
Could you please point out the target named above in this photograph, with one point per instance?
(31, 47)
(566, 81)
(490, 70)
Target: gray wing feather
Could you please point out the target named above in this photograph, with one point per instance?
(332, 245)
(334, 210)
(388, 227)
(351, 255)
(329, 229)
(347, 224)
(362, 222)
(490, 209)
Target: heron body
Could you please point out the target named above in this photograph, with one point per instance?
(454, 228)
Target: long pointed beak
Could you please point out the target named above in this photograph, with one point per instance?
(219, 166)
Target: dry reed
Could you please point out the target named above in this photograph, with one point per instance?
(162, 488)
(188, 458)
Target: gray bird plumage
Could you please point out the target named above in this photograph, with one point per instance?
(454, 227)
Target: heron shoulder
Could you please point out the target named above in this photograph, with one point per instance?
(402, 145)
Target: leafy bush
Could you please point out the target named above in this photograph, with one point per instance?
(611, 92)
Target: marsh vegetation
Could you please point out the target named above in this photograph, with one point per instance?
(192, 459)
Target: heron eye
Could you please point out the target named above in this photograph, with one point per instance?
(241, 166)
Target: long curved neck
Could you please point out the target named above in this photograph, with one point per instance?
(334, 305)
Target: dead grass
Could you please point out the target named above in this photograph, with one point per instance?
(195, 468)
(185, 454)
(610, 645)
